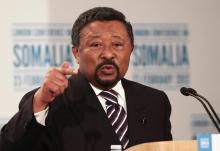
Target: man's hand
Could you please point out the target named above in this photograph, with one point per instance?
(54, 84)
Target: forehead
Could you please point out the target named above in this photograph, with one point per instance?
(98, 28)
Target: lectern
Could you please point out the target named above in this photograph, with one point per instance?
(189, 145)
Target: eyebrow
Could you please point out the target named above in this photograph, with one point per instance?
(96, 35)
(89, 35)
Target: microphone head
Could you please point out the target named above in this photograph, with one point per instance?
(191, 90)
(184, 91)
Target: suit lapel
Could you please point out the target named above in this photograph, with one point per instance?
(138, 113)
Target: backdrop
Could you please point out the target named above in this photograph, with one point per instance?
(177, 43)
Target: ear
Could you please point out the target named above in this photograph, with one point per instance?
(75, 52)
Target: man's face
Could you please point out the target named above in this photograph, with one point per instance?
(104, 52)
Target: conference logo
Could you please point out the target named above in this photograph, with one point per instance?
(161, 55)
(36, 47)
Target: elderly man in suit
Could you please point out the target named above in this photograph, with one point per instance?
(96, 107)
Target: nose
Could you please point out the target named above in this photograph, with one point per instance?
(108, 53)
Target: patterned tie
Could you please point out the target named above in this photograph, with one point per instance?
(116, 115)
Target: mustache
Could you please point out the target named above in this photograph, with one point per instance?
(107, 62)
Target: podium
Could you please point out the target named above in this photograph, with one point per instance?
(188, 145)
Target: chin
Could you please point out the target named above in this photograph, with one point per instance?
(107, 83)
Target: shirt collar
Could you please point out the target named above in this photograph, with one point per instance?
(118, 88)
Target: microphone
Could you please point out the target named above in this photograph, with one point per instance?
(184, 91)
(190, 91)
(187, 91)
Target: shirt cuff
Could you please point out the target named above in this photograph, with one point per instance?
(41, 116)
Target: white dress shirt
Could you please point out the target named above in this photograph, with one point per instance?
(121, 95)
(41, 116)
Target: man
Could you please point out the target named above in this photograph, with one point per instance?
(96, 107)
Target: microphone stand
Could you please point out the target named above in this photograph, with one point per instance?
(210, 106)
(197, 96)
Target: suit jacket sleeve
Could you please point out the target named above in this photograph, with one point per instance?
(22, 130)
(168, 135)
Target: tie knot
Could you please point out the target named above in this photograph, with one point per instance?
(110, 95)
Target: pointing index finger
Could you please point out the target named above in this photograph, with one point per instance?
(65, 65)
(68, 71)
(65, 69)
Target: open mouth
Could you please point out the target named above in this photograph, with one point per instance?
(108, 69)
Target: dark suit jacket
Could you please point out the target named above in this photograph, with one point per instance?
(77, 121)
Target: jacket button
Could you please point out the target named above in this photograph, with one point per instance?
(143, 120)
(26, 125)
